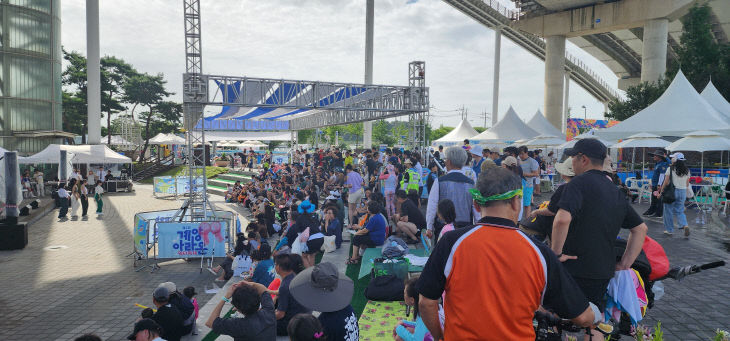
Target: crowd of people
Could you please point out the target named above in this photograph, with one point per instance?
(74, 194)
(476, 201)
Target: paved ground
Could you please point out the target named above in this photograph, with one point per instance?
(693, 308)
(91, 287)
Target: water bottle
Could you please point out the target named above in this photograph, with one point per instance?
(658, 290)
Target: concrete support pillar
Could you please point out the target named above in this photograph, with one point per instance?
(12, 179)
(495, 82)
(566, 105)
(654, 50)
(63, 170)
(93, 72)
(554, 73)
(367, 126)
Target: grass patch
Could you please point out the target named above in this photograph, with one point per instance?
(358, 296)
(210, 172)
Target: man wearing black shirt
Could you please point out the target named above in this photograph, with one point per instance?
(287, 305)
(167, 316)
(591, 212)
(410, 220)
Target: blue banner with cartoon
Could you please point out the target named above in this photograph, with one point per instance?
(191, 239)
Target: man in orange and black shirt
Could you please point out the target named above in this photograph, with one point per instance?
(494, 276)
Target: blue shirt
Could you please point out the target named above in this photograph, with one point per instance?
(659, 169)
(376, 229)
(264, 272)
(478, 167)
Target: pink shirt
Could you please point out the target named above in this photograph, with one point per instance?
(447, 228)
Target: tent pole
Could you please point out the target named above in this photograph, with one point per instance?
(702, 164)
(633, 160)
(643, 159)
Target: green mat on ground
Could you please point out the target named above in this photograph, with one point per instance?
(379, 319)
(358, 296)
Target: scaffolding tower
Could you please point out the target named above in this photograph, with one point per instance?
(130, 131)
(195, 94)
(418, 93)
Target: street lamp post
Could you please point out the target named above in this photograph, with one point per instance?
(584, 112)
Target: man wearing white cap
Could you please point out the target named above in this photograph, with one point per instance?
(476, 152)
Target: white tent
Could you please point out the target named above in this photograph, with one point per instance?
(641, 140)
(462, 132)
(591, 134)
(678, 111)
(116, 141)
(81, 154)
(714, 97)
(509, 128)
(167, 139)
(544, 141)
(541, 125)
(701, 141)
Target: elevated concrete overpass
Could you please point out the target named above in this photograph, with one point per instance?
(614, 31)
(492, 14)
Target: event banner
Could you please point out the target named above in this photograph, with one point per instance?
(174, 185)
(140, 235)
(191, 239)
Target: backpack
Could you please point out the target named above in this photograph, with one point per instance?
(657, 258)
(184, 305)
(384, 288)
(241, 264)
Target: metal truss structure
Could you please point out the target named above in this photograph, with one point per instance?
(417, 120)
(129, 130)
(322, 103)
(196, 207)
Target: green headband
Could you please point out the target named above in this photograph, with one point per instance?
(504, 196)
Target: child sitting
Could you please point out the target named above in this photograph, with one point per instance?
(416, 330)
(447, 213)
(190, 293)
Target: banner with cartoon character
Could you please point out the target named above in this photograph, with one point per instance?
(191, 239)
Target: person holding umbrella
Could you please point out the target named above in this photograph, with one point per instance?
(662, 163)
(322, 288)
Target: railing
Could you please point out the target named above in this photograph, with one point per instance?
(503, 10)
(577, 62)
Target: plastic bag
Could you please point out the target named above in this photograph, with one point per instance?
(296, 246)
(329, 244)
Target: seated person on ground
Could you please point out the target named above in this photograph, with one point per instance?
(167, 316)
(227, 263)
(183, 305)
(372, 235)
(285, 266)
(415, 330)
(264, 271)
(254, 302)
(410, 221)
(331, 225)
(145, 329)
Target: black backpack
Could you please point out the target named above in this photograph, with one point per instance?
(384, 288)
(183, 304)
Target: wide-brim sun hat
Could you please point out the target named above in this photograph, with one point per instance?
(322, 288)
(305, 207)
(566, 167)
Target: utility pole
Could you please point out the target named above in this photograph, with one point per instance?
(485, 115)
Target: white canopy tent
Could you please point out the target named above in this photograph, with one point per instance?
(701, 141)
(167, 139)
(714, 97)
(116, 141)
(510, 128)
(591, 134)
(641, 140)
(544, 141)
(541, 125)
(680, 110)
(88, 154)
(462, 132)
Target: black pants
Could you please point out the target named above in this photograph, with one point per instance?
(656, 205)
(64, 208)
(84, 205)
(226, 265)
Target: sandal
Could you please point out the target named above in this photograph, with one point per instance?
(353, 261)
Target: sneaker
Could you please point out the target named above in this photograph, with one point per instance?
(686, 231)
(648, 213)
(212, 271)
(667, 233)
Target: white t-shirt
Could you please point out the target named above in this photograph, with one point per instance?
(680, 182)
(99, 190)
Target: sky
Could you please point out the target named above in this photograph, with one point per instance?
(325, 40)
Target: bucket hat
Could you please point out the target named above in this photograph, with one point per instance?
(322, 288)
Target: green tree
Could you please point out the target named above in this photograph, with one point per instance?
(440, 132)
(114, 73)
(74, 112)
(146, 90)
(700, 57)
(382, 133)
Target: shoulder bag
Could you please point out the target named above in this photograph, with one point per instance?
(668, 195)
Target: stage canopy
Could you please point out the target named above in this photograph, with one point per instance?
(211, 136)
(541, 125)
(714, 97)
(81, 154)
(680, 110)
(117, 140)
(510, 128)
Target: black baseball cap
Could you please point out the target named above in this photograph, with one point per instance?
(592, 148)
(145, 324)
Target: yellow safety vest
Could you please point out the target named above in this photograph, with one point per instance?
(413, 180)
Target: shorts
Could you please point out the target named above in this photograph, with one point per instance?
(355, 197)
(314, 245)
(362, 240)
(595, 290)
(527, 196)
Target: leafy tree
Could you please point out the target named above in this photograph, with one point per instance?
(440, 132)
(114, 73)
(146, 90)
(382, 133)
(638, 97)
(74, 112)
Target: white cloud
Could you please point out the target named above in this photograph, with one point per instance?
(324, 40)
